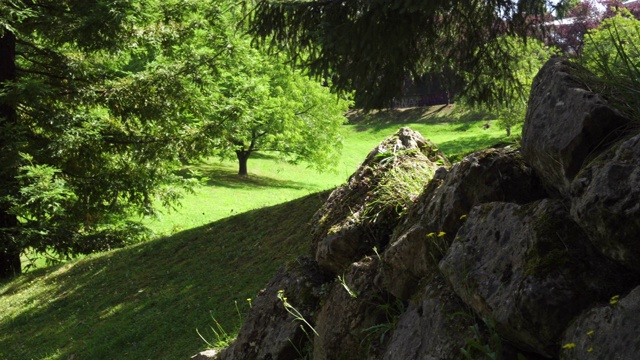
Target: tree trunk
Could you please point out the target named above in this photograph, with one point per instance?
(9, 249)
(243, 157)
(508, 131)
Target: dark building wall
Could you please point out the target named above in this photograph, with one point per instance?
(433, 89)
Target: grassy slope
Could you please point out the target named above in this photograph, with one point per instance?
(273, 182)
(148, 300)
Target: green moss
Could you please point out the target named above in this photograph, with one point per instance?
(549, 252)
(541, 264)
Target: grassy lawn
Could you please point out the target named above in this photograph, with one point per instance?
(271, 182)
(222, 246)
(146, 301)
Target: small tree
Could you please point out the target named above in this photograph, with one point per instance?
(269, 106)
(525, 60)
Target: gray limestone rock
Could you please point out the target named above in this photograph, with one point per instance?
(424, 235)
(606, 202)
(355, 317)
(434, 327)
(530, 268)
(610, 331)
(566, 124)
(270, 332)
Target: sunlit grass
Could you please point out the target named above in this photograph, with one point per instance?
(147, 301)
(272, 182)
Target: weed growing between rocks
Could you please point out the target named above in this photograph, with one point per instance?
(297, 315)
(222, 338)
(303, 350)
(611, 52)
(377, 334)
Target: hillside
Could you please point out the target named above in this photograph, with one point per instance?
(148, 300)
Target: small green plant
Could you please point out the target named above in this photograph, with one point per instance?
(351, 292)
(222, 338)
(378, 333)
(482, 346)
(297, 316)
(440, 243)
(305, 351)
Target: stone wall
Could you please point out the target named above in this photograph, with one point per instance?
(512, 253)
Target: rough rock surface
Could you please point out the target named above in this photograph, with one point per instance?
(354, 220)
(270, 332)
(420, 241)
(566, 123)
(606, 202)
(434, 327)
(530, 268)
(610, 331)
(354, 316)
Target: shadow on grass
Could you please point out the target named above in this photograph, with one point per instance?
(457, 148)
(221, 176)
(423, 115)
(126, 304)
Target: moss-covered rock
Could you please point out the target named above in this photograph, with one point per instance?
(531, 269)
(424, 235)
(362, 214)
(606, 202)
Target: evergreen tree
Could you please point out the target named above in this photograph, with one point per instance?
(100, 101)
(369, 46)
(39, 82)
(525, 60)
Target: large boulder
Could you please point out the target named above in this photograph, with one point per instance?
(362, 214)
(270, 331)
(606, 202)
(424, 235)
(434, 327)
(355, 316)
(566, 123)
(530, 268)
(610, 331)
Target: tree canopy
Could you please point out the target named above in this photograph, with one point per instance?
(100, 105)
(524, 58)
(269, 106)
(272, 107)
(101, 102)
(368, 46)
(611, 51)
